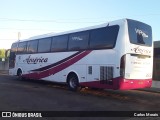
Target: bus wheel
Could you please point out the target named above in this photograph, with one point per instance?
(19, 74)
(72, 82)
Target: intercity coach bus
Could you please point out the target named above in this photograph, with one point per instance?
(114, 55)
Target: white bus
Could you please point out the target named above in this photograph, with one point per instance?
(114, 55)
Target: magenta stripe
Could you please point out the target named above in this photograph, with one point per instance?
(57, 68)
(57, 63)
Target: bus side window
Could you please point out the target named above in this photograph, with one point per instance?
(104, 38)
(22, 47)
(44, 45)
(78, 41)
(59, 43)
(32, 46)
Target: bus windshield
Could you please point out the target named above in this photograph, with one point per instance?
(139, 33)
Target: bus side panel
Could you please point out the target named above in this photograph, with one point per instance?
(100, 74)
(78, 69)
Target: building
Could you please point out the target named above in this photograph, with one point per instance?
(156, 61)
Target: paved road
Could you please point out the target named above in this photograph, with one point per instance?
(31, 95)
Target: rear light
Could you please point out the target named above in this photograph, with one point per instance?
(122, 66)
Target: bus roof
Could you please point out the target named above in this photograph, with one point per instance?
(116, 22)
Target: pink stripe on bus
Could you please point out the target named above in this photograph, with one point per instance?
(57, 68)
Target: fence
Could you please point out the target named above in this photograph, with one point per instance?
(4, 65)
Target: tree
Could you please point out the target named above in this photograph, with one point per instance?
(7, 53)
(2, 53)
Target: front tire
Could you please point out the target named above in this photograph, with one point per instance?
(19, 74)
(73, 82)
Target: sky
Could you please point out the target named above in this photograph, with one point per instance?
(35, 17)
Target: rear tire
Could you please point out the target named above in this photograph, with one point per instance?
(73, 82)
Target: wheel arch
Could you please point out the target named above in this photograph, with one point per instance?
(71, 73)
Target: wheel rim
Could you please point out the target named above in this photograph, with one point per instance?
(73, 83)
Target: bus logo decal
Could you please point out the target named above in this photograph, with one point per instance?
(140, 32)
(36, 60)
(141, 51)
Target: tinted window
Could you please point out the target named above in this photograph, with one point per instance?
(22, 47)
(59, 43)
(13, 55)
(32, 46)
(78, 41)
(139, 33)
(14, 47)
(104, 38)
(44, 45)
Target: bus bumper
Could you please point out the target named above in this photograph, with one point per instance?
(126, 84)
(120, 83)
